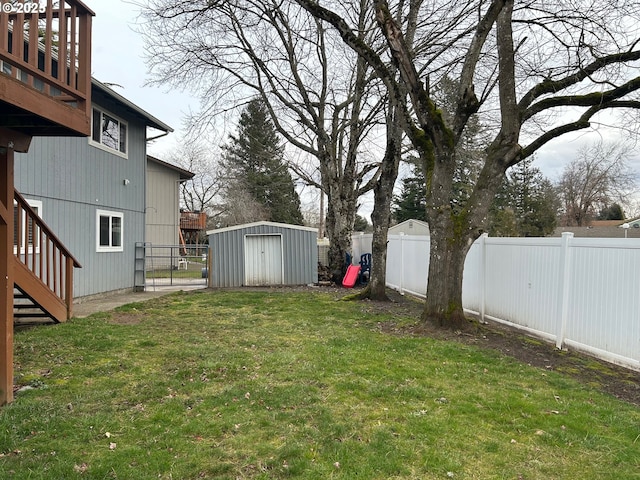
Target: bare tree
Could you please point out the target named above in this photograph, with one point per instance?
(238, 206)
(322, 97)
(598, 177)
(202, 192)
(521, 66)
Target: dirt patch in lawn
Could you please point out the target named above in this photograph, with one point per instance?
(618, 381)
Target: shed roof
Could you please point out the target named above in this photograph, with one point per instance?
(412, 226)
(254, 224)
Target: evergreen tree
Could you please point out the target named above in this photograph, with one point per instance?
(361, 224)
(411, 203)
(254, 164)
(613, 212)
(526, 205)
(470, 148)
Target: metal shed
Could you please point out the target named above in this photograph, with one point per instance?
(263, 253)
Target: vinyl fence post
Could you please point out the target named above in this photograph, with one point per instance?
(402, 265)
(565, 270)
(483, 275)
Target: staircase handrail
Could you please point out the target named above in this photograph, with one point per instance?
(33, 215)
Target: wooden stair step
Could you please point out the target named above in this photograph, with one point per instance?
(40, 314)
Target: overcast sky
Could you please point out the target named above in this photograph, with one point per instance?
(118, 58)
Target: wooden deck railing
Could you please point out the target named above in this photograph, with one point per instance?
(193, 220)
(49, 49)
(38, 249)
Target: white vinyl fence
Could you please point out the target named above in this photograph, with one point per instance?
(581, 293)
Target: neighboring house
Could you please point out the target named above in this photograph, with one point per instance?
(604, 229)
(91, 191)
(163, 201)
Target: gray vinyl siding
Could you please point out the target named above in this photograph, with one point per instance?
(162, 213)
(74, 179)
(299, 254)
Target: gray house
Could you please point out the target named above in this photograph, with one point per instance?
(263, 253)
(91, 191)
(163, 201)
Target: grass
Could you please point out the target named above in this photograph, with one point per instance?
(262, 385)
(193, 269)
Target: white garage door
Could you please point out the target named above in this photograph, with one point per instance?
(263, 260)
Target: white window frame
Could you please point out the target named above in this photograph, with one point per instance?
(102, 146)
(37, 206)
(110, 247)
(5, 68)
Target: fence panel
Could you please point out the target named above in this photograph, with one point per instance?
(360, 243)
(604, 299)
(523, 281)
(408, 263)
(583, 293)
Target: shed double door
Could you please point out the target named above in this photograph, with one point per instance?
(263, 260)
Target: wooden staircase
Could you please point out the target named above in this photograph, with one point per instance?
(45, 89)
(43, 269)
(27, 312)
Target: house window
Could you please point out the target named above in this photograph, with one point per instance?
(29, 231)
(108, 231)
(109, 132)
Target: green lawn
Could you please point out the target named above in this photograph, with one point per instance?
(263, 385)
(194, 266)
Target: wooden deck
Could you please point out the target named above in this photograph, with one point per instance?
(45, 70)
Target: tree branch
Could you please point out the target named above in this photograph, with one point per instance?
(590, 99)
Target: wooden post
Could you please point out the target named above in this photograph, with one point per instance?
(10, 142)
(6, 274)
(68, 287)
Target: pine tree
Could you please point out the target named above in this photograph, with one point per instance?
(612, 212)
(411, 203)
(526, 204)
(254, 164)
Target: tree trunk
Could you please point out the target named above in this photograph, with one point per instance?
(377, 288)
(443, 305)
(381, 215)
(340, 218)
(451, 238)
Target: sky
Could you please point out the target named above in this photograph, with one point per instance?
(118, 58)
